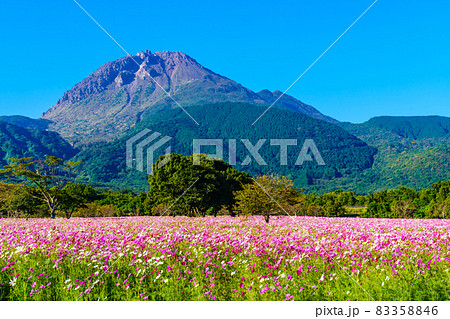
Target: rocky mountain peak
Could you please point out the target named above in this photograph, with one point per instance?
(120, 93)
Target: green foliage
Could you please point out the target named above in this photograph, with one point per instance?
(329, 204)
(195, 189)
(17, 142)
(75, 196)
(16, 201)
(412, 151)
(408, 203)
(413, 127)
(268, 195)
(43, 180)
(343, 153)
(125, 203)
(26, 122)
(6, 193)
(211, 186)
(92, 210)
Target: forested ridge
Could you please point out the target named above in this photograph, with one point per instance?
(382, 153)
(16, 141)
(343, 153)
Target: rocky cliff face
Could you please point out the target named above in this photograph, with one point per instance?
(120, 93)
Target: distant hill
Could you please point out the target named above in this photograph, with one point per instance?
(16, 141)
(121, 93)
(402, 132)
(26, 122)
(409, 151)
(120, 99)
(412, 151)
(413, 127)
(343, 153)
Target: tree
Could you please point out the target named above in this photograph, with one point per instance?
(16, 199)
(126, 203)
(6, 192)
(403, 208)
(441, 190)
(268, 195)
(315, 210)
(438, 209)
(26, 201)
(443, 209)
(333, 208)
(48, 177)
(195, 190)
(96, 210)
(75, 196)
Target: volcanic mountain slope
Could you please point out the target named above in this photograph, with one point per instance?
(402, 133)
(343, 153)
(413, 151)
(26, 122)
(17, 142)
(121, 93)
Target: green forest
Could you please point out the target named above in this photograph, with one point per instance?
(344, 154)
(17, 141)
(213, 187)
(382, 153)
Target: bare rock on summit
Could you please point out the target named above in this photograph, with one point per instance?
(120, 93)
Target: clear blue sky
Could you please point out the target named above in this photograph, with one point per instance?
(394, 61)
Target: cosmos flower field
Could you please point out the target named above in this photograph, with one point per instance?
(224, 258)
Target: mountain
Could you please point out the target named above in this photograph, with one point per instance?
(344, 154)
(402, 132)
(120, 99)
(414, 127)
(411, 127)
(16, 141)
(123, 92)
(413, 151)
(26, 122)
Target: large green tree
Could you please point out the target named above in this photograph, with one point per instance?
(16, 198)
(268, 195)
(195, 188)
(47, 178)
(75, 196)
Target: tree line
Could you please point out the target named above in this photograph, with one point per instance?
(47, 188)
